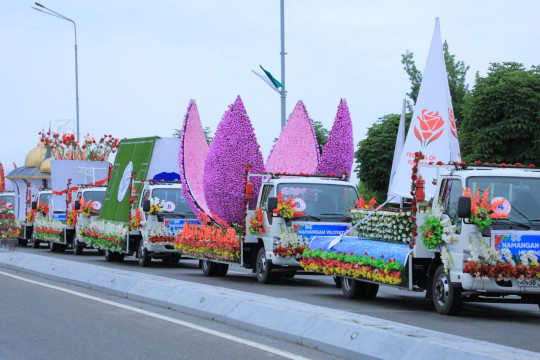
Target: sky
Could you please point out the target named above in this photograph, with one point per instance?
(141, 61)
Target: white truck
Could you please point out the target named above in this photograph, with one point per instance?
(276, 244)
(144, 206)
(40, 208)
(484, 250)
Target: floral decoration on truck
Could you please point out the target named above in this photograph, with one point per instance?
(256, 222)
(105, 235)
(290, 244)
(481, 212)
(285, 209)
(7, 217)
(209, 241)
(391, 226)
(48, 230)
(161, 236)
(386, 271)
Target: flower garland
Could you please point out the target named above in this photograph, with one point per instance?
(209, 241)
(481, 212)
(387, 271)
(414, 177)
(105, 235)
(256, 222)
(285, 209)
(391, 226)
(71, 216)
(161, 236)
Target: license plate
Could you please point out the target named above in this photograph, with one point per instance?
(531, 282)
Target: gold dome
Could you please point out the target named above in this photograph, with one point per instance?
(36, 156)
(45, 166)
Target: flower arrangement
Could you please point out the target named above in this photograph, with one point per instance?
(42, 208)
(10, 233)
(209, 241)
(234, 145)
(64, 146)
(7, 217)
(297, 149)
(156, 206)
(256, 222)
(105, 235)
(86, 207)
(285, 209)
(338, 153)
(192, 156)
(136, 220)
(438, 230)
(71, 216)
(481, 212)
(290, 244)
(361, 203)
(48, 230)
(30, 216)
(488, 263)
(391, 226)
(161, 235)
(386, 271)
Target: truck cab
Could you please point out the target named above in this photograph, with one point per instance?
(40, 208)
(87, 203)
(161, 223)
(324, 205)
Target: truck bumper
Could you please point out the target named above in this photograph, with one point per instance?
(283, 261)
(492, 286)
(161, 248)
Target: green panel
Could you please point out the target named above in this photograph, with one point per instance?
(139, 152)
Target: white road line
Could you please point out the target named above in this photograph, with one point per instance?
(254, 344)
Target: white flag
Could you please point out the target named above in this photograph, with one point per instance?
(400, 140)
(433, 125)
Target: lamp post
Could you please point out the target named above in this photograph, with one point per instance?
(48, 11)
(283, 93)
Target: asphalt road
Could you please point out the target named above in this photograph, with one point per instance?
(516, 325)
(38, 322)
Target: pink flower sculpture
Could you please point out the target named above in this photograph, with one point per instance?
(338, 153)
(193, 150)
(297, 149)
(234, 146)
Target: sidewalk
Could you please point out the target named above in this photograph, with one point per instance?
(337, 332)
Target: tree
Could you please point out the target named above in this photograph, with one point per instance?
(501, 120)
(375, 153)
(207, 133)
(321, 133)
(456, 70)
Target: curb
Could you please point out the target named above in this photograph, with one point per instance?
(337, 332)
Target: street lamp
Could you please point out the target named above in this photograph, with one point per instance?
(48, 11)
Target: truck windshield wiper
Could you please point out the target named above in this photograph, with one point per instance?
(514, 222)
(309, 217)
(344, 216)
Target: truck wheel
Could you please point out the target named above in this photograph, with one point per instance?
(77, 248)
(109, 255)
(208, 268)
(446, 298)
(144, 258)
(53, 246)
(221, 269)
(355, 289)
(263, 268)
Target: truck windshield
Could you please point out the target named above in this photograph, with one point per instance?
(320, 200)
(97, 199)
(175, 203)
(45, 198)
(518, 197)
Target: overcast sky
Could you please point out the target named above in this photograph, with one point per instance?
(140, 61)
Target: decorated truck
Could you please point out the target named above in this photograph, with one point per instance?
(144, 206)
(35, 221)
(477, 240)
(256, 215)
(86, 206)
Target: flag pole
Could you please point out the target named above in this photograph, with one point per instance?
(283, 92)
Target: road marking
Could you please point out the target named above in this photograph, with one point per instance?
(237, 339)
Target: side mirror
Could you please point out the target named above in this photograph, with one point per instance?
(464, 207)
(34, 205)
(146, 205)
(271, 205)
(77, 205)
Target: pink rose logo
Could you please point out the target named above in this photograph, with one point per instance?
(431, 127)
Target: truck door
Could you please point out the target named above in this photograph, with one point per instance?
(267, 190)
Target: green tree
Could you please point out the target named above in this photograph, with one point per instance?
(375, 154)
(501, 120)
(207, 133)
(457, 72)
(321, 133)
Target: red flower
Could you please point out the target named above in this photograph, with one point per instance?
(414, 177)
(439, 162)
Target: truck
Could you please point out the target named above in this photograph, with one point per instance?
(39, 209)
(144, 206)
(477, 240)
(290, 210)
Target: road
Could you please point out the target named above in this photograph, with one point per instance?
(515, 325)
(41, 320)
